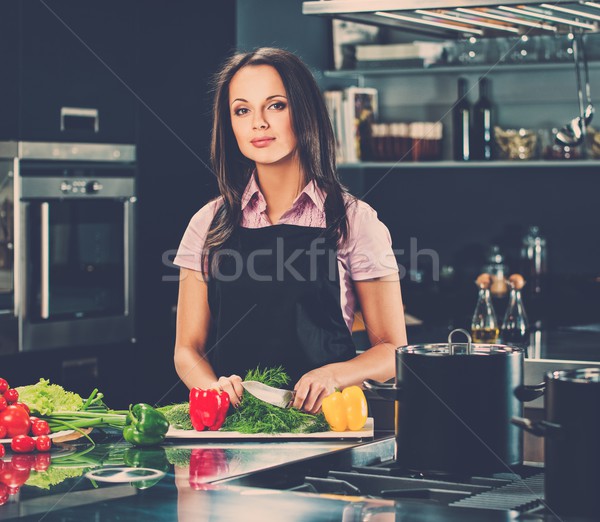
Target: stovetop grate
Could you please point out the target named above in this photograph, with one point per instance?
(521, 489)
(523, 495)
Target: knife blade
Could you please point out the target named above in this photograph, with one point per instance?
(275, 396)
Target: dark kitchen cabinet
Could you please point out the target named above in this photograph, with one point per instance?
(68, 71)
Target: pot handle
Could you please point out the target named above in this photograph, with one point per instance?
(530, 392)
(386, 390)
(541, 428)
(451, 347)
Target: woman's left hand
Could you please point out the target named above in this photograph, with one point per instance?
(312, 388)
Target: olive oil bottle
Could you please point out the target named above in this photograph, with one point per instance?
(484, 325)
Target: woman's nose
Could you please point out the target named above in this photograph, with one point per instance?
(260, 122)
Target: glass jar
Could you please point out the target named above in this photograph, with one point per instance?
(516, 144)
(551, 149)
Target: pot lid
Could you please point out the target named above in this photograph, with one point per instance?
(579, 375)
(452, 348)
(443, 349)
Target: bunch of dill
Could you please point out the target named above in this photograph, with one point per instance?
(256, 416)
(178, 415)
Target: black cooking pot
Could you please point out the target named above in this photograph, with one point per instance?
(454, 405)
(572, 445)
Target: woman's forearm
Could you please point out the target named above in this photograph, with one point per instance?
(193, 369)
(378, 362)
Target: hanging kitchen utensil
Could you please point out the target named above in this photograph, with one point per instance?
(573, 133)
(589, 106)
(454, 405)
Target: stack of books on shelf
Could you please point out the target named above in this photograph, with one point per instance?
(358, 136)
(352, 112)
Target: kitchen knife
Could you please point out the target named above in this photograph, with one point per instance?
(274, 396)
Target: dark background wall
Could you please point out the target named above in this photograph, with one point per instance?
(264, 23)
(180, 48)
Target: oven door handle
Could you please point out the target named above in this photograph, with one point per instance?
(45, 261)
(128, 233)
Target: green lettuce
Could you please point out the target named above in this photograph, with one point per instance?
(44, 398)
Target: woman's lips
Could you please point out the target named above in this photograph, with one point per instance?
(262, 142)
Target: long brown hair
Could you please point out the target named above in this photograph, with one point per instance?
(314, 135)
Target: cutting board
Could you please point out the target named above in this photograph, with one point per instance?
(366, 432)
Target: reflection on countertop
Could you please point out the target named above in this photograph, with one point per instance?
(57, 485)
(215, 482)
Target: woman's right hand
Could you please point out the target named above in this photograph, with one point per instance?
(233, 386)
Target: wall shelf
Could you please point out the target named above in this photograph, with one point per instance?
(434, 165)
(456, 19)
(460, 69)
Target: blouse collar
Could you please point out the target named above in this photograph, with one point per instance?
(311, 190)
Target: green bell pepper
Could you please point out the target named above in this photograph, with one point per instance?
(145, 426)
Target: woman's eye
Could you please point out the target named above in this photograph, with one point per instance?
(241, 111)
(278, 106)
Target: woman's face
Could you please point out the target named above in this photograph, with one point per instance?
(260, 115)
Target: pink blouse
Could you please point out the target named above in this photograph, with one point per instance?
(366, 254)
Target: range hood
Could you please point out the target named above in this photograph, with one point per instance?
(465, 18)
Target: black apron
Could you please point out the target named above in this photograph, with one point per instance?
(274, 304)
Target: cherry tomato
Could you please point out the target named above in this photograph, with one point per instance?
(3, 403)
(2, 450)
(11, 395)
(24, 406)
(33, 419)
(3, 385)
(3, 493)
(2, 431)
(43, 443)
(22, 444)
(42, 461)
(40, 427)
(16, 420)
(22, 462)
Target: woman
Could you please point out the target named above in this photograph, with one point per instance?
(272, 269)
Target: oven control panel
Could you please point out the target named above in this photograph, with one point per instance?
(80, 186)
(45, 188)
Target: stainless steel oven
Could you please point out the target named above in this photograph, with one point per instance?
(67, 242)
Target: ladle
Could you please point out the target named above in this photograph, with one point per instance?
(589, 108)
(573, 133)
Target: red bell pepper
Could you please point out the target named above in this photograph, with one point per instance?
(208, 408)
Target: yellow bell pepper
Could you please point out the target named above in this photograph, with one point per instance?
(346, 410)
(334, 409)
